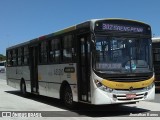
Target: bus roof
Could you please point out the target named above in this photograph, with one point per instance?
(69, 29)
(156, 39)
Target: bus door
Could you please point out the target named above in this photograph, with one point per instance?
(34, 68)
(83, 67)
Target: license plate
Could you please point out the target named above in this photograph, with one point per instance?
(130, 96)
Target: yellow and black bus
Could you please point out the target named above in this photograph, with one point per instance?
(100, 61)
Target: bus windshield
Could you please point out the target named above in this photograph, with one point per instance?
(122, 55)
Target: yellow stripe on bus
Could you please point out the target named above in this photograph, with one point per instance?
(127, 85)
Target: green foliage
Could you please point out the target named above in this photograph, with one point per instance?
(2, 57)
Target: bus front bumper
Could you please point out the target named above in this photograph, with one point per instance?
(101, 97)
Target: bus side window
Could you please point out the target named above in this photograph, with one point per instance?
(15, 58)
(9, 58)
(26, 55)
(19, 56)
(54, 50)
(43, 52)
(68, 49)
(51, 52)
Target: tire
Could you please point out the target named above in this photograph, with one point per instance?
(23, 89)
(68, 97)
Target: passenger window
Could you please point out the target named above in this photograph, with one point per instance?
(15, 57)
(68, 48)
(9, 58)
(54, 52)
(43, 52)
(19, 56)
(26, 55)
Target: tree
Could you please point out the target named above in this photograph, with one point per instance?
(2, 57)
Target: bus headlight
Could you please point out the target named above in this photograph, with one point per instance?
(102, 87)
(150, 86)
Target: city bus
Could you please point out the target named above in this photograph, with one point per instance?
(100, 61)
(156, 60)
(2, 66)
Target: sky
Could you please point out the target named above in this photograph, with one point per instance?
(23, 20)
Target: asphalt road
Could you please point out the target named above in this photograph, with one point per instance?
(12, 100)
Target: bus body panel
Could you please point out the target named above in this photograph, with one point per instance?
(50, 78)
(16, 74)
(45, 77)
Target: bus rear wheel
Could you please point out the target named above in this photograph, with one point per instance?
(68, 98)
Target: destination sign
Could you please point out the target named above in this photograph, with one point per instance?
(122, 28)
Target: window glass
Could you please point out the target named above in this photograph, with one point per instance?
(68, 49)
(9, 58)
(122, 55)
(54, 52)
(15, 57)
(43, 52)
(26, 55)
(19, 56)
(57, 55)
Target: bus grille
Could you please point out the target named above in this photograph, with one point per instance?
(123, 97)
